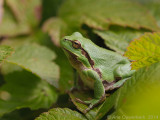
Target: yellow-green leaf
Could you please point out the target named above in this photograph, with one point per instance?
(145, 50)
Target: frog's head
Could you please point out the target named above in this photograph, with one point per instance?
(74, 49)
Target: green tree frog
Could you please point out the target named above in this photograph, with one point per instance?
(100, 69)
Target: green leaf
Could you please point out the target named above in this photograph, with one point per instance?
(24, 89)
(119, 38)
(5, 51)
(117, 12)
(55, 27)
(139, 97)
(145, 50)
(71, 17)
(38, 60)
(61, 114)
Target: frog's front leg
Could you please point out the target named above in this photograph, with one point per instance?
(99, 91)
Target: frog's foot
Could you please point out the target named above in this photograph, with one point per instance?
(92, 103)
(114, 85)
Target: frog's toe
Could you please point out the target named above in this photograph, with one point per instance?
(91, 103)
(80, 101)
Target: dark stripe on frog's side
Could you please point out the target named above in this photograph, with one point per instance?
(91, 62)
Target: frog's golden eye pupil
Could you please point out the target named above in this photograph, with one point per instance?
(76, 44)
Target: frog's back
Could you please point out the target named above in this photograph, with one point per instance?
(105, 60)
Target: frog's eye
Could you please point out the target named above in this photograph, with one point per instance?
(76, 44)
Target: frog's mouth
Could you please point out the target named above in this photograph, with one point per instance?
(71, 55)
(74, 61)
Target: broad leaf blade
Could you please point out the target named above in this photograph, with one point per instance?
(24, 89)
(38, 60)
(118, 39)
(107, 12)
(61, 114)
(144, 51)
(71, 17)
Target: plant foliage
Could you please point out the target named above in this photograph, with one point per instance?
(36, 77)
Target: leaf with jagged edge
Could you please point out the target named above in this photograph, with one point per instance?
(61, 114)
(38, 60)
(139, 97)
(101, 16)
(23, 89)
(119, 38)
(65, 69)
(5, 51)
(118, 12)
(145, 50)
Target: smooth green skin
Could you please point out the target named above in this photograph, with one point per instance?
(110, 65)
